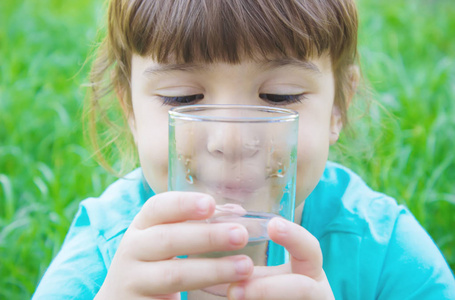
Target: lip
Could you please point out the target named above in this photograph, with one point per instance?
(233, 183)
(238, 191)
(235, 193)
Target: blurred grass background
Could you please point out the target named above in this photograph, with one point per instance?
(403, 146)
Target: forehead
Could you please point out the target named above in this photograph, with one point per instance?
(150, 67)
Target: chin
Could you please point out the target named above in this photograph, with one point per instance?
(157, 182)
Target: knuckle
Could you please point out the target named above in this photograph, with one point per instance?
(212, 239)
(127, 247)
(128, 243)
(307, 287)
(130, 282)
(262, 291)
(162, 235)
(312, 291)
(219, 273)
(172, 276)
(181, 202)
(151, 207)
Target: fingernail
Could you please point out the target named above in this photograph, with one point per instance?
(236, 236)
(203, 206)
(280, 225)
(237, 293)
(242, 266)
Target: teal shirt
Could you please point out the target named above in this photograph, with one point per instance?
(372, 247)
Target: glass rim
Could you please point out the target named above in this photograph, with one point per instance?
(184, 112)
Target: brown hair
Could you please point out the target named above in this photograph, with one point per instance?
(210, 31)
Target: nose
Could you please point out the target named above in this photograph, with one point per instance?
(233, 141)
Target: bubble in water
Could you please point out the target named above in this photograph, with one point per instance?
(188, 172)
(189, 179)
(180, 157)
(279, 171)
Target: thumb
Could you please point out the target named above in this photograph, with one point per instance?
(306, 255)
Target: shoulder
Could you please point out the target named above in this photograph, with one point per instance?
(114, 210)
(91, 242)
(369, 242)
(348, 205)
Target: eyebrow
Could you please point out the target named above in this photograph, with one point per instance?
(166, 68)
(283, 62)
(269, 64)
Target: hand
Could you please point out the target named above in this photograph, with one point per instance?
(302, 278)
(145, 265)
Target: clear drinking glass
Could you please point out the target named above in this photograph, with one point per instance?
(246, 158)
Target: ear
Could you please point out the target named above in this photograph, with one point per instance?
(336, 120)
(336, 124)
(354, 78)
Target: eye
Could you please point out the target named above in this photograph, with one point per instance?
(282, 99)
(181, 100)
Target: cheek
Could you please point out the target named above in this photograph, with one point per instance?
(152, 144)
(313, 150)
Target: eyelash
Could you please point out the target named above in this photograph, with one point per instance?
(282, 99)
(181, 100)
(273, 99)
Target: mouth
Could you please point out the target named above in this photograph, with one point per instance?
(237, 192)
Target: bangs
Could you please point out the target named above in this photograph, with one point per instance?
(231, 30)
(208, 31)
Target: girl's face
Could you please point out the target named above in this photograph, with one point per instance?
(306, 87)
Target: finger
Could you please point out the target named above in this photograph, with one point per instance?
(171, 207)
(306, 255)
(260, 271)
(169, 240)
(167, 277)
(286, 286)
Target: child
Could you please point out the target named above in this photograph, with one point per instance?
(347, 242)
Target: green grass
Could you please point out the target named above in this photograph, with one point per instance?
(403, 146)
(45, 169)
